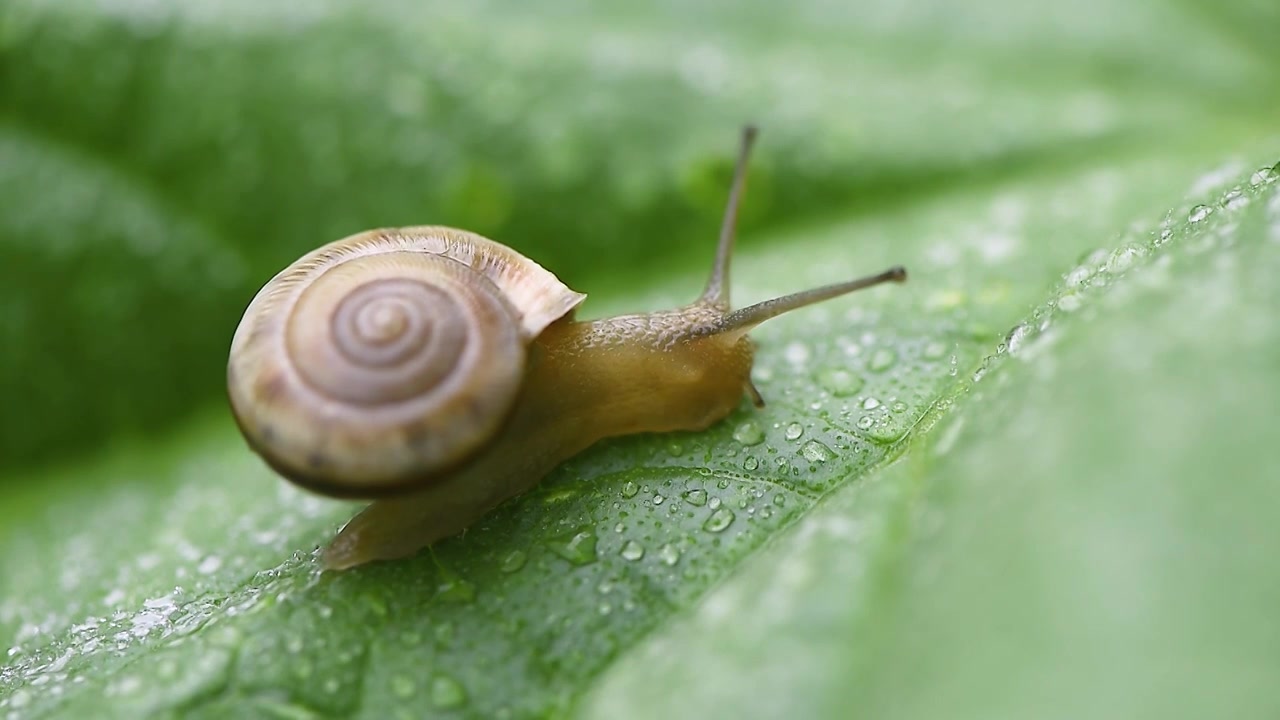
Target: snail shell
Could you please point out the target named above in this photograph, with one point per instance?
(384, 358)
(440, 373)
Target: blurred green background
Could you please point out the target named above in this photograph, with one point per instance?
(1088, 179)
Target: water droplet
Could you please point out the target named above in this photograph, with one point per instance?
(865, 422)
(669, 554)
(578, 547)
(750, 463)
(1079, 276)
(629, 489)
(882, 360)
(887, 431)
(898, 406)
(1123, 259)
(722, 483)
(870, 403)
(715, 503)
(749, 433)
(1070, 302)
(675, 449)
(1234, 199)
(1165, 235)
(981, 372)
(1263, 176)
(1199, 213)
(513, 561)
(632, 550)
(814, 451)
(1017, 337)
(935, 350)
(559, 495)
(840, 382)
(779, 500)
(376, 604)
(794, 431)
(658, 499)
(696, 497)
(796, 353)
(454, 588)
(718, 520)
(402, 686)
(447, 693)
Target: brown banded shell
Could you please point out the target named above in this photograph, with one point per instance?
(379, 360)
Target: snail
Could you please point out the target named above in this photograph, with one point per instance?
(438, 373)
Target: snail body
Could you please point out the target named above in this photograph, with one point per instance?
(439, 373)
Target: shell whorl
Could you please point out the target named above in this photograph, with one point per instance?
(380, 360)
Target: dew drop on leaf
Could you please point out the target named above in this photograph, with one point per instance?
(1079, 276)
(935, 350)
(719, 520)
(669, 554)
(1234, 200)
(444, 634)
(209, 565)
(513, 561)
(402, 686)
(814, 451)
(887, 431)
(1199, 213)
(696, 497)
(1017, 337)
(1123, 259)
(1070, 302)
(794, 431)
(750, 463)
(840, 382)
(632, 550)
(882, 360)
(749, 433)
(447, 693)
(454, 588)
(629, 489)
(578, 547)
(1262, 176)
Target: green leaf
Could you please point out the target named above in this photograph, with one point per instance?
(1031, 482)
(1086, 532)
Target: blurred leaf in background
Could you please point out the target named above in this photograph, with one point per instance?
(1077, 385)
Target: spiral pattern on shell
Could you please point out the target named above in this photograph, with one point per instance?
(381, 360)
